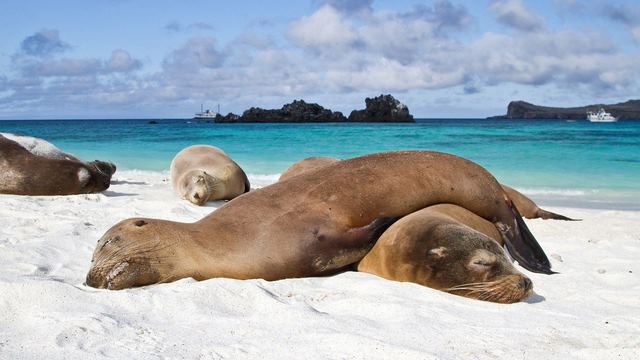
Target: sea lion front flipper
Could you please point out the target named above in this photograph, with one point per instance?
(523, 246)
(352, 245)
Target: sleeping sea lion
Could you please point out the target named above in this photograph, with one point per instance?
(439, 247)
(24, 173)
(202, 173)
(312, 224)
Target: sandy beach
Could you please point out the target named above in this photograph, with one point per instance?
(587, 311)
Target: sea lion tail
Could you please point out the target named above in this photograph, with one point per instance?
(548, 215)
(524, 247)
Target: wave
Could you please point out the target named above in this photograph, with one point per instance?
(563, 192)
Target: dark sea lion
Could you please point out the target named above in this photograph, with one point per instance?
(202, 173)
(305, 165)
(432, 247)
(526, 207)
(312, 224)
(24, 173)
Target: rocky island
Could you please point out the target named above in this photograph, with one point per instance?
(384, 108)
(524, 110)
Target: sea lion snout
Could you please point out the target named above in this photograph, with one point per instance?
(129, 255)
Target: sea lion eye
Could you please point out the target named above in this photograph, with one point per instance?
(483, 262)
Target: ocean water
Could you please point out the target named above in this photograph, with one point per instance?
(555, 162)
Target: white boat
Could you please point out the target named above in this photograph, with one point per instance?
(206, 114)
(600, 116)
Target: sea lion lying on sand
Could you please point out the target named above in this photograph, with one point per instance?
(526, 207)
(313, 224)
(448, 248)
(202, 173)
(24, 173)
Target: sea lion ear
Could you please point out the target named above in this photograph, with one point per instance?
(438, 252)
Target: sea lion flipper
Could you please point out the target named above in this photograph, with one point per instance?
(523, 246)
(372, 231)
(548, 215)
(354, 245)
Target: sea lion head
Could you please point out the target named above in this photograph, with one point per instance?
(92, 178)
(465, 262)
(135, 252)
(199, 186)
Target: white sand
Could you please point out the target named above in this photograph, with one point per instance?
(591, 310)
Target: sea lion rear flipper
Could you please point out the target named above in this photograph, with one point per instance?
(353, 245)
(523, 246)
(548, 215)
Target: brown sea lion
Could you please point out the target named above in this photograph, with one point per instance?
(436, 247)
(202, 173)
(23, 173)
(311, 224)
(526, 207)
(305, 165)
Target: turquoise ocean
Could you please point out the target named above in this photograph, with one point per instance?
(556, 162)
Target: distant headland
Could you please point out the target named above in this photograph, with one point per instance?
(383, 108)
(524, 110)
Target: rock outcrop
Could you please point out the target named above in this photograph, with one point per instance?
(297, 111)
(384, 108)
(524, 110)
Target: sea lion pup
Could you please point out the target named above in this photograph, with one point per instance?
(202, 173)
(312, 224)
(526, 207)
(432, 247)
(304, 165)
(23, 173)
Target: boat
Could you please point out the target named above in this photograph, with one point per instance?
(206, 114)
(600, 116)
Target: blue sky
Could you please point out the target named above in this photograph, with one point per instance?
(125, 58)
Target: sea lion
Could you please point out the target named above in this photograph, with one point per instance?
(305, 165)
(526, 207)
(41, 147)
(432, 247)
(202, 173)
(24, 173)
(312, 224)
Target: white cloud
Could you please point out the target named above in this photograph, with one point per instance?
(197, 52)
(121, 61)
(325, 28)
(515, 14)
